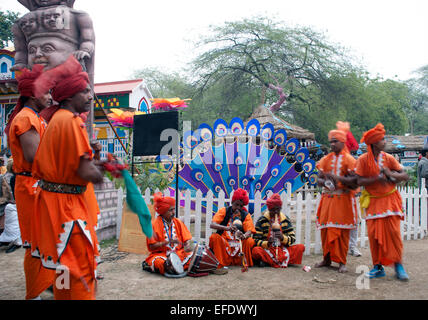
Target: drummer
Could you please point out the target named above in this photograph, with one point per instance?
(170, 235)
(234, 227)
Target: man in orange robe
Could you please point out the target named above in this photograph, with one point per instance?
(226, 243)
(379, 172)
(275, 238)
(90, 196)
(25, 129)
(64, 232)
(337, 211)
(170, 235)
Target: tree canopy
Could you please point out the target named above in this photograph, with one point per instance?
(297, 72)
(280, 59)
(7, 19)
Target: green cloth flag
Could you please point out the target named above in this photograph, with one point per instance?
(137, 204)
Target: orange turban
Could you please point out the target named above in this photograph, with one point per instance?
(351, 143)
(337, 134)
(274, 201)
(374, 135)
(369, 137)
(162, 204)
(240, 194)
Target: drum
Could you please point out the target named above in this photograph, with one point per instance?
(203, 260)
(173, 264)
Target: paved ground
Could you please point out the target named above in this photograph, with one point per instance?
(125, 280)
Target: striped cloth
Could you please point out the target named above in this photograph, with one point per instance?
(263, 227)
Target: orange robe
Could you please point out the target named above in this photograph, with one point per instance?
(64, 231)
(383, 214)
(337, 210)
(163, 232)
(37, 278)
(226, 247)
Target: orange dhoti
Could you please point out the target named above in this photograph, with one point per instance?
(386, 245)
(227, 251)
(286, 255)
(79, 252)
(157, 261)
(335, 242)
(37, 278)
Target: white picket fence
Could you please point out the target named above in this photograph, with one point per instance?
(301, 208)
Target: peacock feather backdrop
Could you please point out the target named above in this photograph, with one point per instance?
(228, 156)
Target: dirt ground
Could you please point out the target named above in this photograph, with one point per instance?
(125, 280)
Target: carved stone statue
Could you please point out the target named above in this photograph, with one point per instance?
(50, 33)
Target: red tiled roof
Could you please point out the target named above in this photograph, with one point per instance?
(116, 87)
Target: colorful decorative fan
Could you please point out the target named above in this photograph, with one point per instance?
(169, 104)
(123, 119)
(252, 166)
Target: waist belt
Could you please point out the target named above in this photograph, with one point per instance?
(61, 188)
(24, 173)
(365, 200)
(335, 192)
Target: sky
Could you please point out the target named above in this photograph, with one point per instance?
(389, 38)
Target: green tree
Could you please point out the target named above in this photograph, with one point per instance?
(250, 62)
(280, 59)
(354, 98)
(417, 111)
(164, 84)
(7, 19)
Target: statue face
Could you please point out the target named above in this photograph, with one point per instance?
(49, 51)
(47, 3)
(28, 23)
(52, 19)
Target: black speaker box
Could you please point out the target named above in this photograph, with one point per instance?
(148, 129)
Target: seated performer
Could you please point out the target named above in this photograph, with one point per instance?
(275, 237)
(169, 235)
(226, 243)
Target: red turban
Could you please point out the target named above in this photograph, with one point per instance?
(350, 142)
(240, 194)
(26, 82)
(369, 137)
(65, 80)
(162, 204)
(274, 201)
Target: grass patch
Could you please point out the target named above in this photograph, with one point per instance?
(108, 242)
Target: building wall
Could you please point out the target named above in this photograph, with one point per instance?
(140, 98)
(110, 203)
